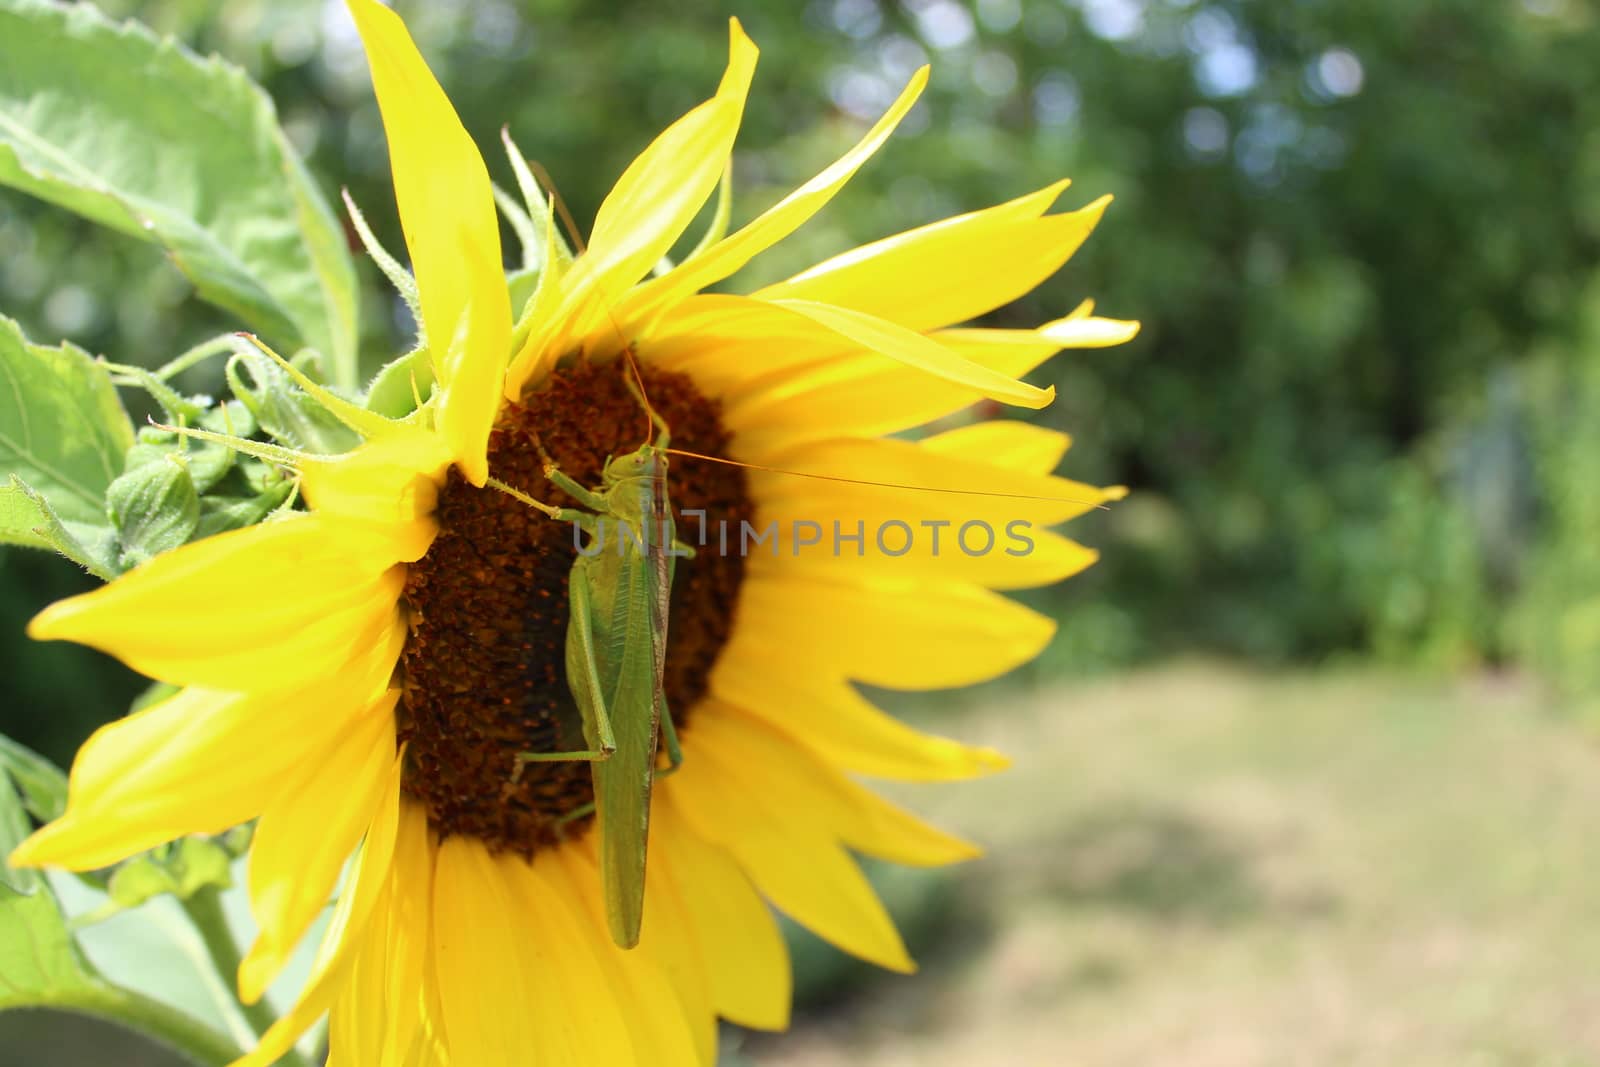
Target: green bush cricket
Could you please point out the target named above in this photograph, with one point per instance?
(616, 649)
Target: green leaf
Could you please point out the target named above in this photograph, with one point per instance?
(43, 784)
(27, 519)
(140, 134)
(62, 429)
(39, 961)
(284, 410)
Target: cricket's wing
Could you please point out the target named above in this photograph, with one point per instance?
(622, 783)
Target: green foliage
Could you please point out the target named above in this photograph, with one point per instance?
(63, 433)
(1557, 618)
(40, 961)
(41, 787)
(140, 135)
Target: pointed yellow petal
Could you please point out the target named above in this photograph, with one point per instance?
(263, 607)
(369, 876)
(909, 511)
(153, 777)
(795, 865)
(651, 1012)
(447, 210)
(385, 489)
(914, 350)
(659, 194)
(953, 270)
(747, 960)
(1018, 446)
(306, 834)
(728, 255)
(907, 483)
(857, 392)
(842, 725)
(378, 1018)
(899, 634)
(1087, 332)
(668, 940)
(755, 756)
(489, 966)
(575, 992)
(1001, 552)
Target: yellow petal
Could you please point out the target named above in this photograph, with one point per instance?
(1018, 446)
(447, 210)
(888, 480)
(754, 756)
(793, 862)
(914, 350)
(651, 1009)
(728, 255)
(369, 876)
(667, 939)
(378, 1018)
(648, 209)
(1089, 332)
(882, 631)
(264, 607)
(306, 834)
(153, 777)
(582, 997)
(738, 349)
(747, 960)
(1005, 555)
(386, 490)
(953, 270)
(491, 966)
(834, 392)
(842, 725)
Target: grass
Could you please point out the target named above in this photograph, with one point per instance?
(1203, 866)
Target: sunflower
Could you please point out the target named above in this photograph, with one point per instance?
(361, 676)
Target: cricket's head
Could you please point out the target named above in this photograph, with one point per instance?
(647, 463)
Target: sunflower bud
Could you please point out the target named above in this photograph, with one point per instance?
(154, 506)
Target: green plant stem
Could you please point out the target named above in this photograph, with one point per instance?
(204, 908)
(198, 354)
(146, 1015)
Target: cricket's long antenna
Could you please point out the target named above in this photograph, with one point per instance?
(561, 205)
(886, 485)
(638, 381)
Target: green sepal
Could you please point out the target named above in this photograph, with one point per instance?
(154, 506)
(396, 387)
(523, 284)
(151, 695)
(180, 868)
(285, 411)
(219, 514)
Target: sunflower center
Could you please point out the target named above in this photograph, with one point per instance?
(484, 666)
